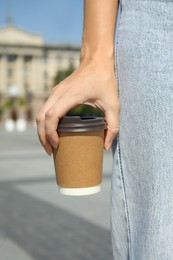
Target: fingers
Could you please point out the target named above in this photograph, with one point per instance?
(41, 117)
(112, 120)
(42, 138)
(53, 115)
(110, 134)
(67, 95)
(47, 126)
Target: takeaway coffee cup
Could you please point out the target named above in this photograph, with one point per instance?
(79, 158)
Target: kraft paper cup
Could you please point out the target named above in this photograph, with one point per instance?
(79, 158)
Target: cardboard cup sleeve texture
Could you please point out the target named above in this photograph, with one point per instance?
(79, 158)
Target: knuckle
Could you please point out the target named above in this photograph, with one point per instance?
(115, 131)
(60, 84)
(49, 114)
(39, 118)
(48, 134)
(54, 89)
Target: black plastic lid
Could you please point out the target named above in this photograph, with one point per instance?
(81, 124)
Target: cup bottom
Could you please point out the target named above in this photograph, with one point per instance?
(79, 191)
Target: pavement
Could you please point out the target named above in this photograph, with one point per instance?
(36, 221)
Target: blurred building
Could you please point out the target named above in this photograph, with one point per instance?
(28, 65)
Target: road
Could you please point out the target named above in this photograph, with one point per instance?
(36, 221)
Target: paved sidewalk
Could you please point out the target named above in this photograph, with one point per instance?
(38, 223)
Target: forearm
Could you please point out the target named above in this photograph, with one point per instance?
(99, 29)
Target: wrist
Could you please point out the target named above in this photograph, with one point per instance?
(99, 52)
(100, 65)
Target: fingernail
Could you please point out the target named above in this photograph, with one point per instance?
(49, 152)
(108, 146)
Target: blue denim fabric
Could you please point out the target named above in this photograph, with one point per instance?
(142, 174)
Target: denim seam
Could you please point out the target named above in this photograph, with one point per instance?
(125, 197)
(119, 155)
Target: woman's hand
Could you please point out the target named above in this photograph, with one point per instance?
(92, 83)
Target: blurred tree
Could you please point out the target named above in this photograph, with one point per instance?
(1, 112)
(80, 110)
(21, 101)
(8, 103)
(62, 74)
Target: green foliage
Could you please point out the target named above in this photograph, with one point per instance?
(1, 110)
(21, 101)
(85, 110)
(8, 103)
(80, 110)
(62, 74)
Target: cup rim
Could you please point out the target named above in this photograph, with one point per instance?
(81, 124)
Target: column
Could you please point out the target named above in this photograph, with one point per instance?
(3, 74)
(37, 79)
(19, 77)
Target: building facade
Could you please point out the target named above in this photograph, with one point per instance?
(28, 66)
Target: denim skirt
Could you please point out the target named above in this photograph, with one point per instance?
(142, 174)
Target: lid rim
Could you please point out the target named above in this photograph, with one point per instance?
(80, 130)
(76, 124)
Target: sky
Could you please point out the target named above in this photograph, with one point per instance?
(55, 20)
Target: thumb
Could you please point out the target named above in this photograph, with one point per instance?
(112, 120)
